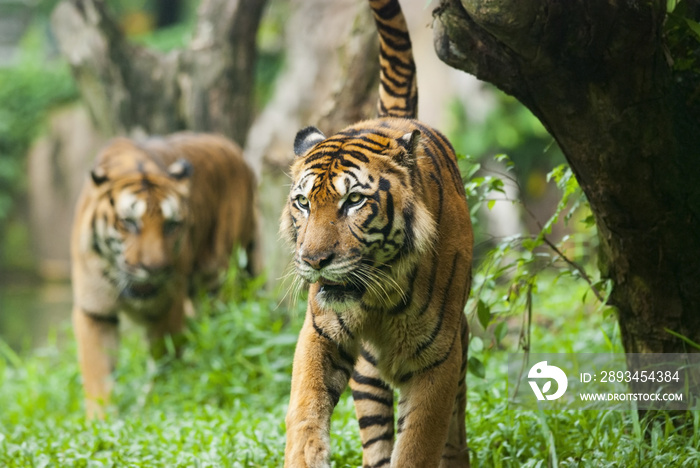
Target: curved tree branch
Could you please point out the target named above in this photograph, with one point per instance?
(130, 89)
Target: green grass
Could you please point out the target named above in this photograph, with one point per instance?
(223, 403)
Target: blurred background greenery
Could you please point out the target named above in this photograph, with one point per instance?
(223, 404)
(515, 205)
(34, 79)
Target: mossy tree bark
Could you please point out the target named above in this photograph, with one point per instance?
(131, 89)
(601, 78)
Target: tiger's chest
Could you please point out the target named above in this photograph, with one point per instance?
(392, 342)
(395, 345)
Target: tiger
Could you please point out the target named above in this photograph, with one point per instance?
(381, 232)
(157, 220)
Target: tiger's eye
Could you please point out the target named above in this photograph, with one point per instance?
(354, 198)
(129, 224)
(171, 225)
(302, 201)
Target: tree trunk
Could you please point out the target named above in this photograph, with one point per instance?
(131, 90)
(598, 75)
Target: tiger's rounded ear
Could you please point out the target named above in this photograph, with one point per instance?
(180, 169)
(409, 141)
(98, 175)
(306, 139)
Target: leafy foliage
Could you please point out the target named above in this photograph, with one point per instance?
(223, 404)
(507, 127)
(510, 274)
(27, 92)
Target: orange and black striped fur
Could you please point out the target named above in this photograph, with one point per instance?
(381, 230)
(156, 220)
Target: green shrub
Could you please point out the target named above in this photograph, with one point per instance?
(27, 92)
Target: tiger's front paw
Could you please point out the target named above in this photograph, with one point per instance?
(307, 450)
(316, 453)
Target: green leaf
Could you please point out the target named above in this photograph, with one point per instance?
(684, 338)
(694, 26)
(476, 367)
(496, 185)
(483, 312)
(505, 160)
(476, 344)
(500, 331)
(531, 244)
(7, 353)
(589, 221)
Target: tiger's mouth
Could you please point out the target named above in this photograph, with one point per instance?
(334, 292)
(141, 290)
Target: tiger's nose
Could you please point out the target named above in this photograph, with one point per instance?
(150, 267)
(156, 268)
(318, 261)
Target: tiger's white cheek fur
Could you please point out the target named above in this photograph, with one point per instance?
(424, 229)
(170, 207)
(130, 206)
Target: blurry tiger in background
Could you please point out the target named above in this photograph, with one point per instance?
(381, 230)
(156, 220)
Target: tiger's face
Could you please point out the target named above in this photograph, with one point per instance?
(140, 224)
(353, 216)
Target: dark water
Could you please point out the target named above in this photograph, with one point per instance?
(34, 314)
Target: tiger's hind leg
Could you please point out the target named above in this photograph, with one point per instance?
(456, 453)
(374, 406)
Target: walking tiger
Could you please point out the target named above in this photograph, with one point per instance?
(157, 220)
(378, 218)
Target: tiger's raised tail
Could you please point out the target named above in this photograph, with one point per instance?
(398, 90)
